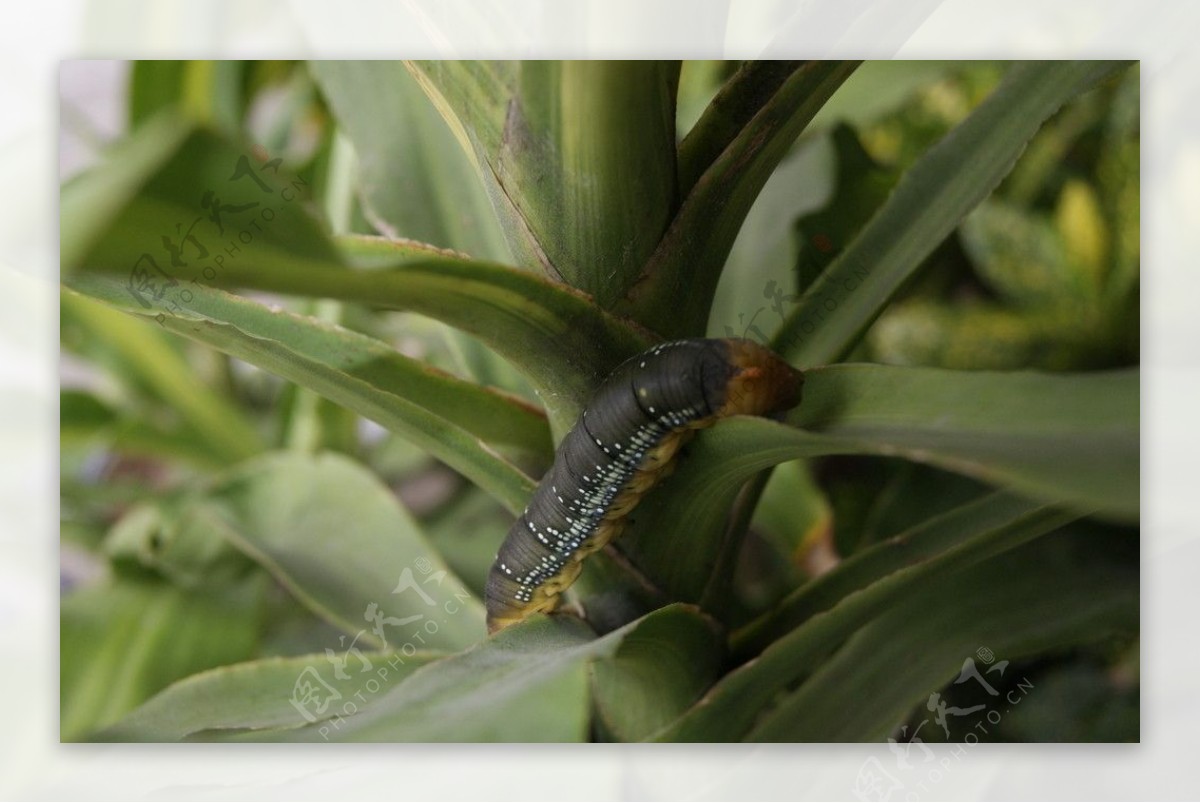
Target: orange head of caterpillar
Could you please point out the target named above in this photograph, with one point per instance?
(762, 383)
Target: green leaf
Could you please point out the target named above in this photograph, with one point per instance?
(661, 668)
(675, 291)
(1059, 592)
(699, 82)
(179, 540)
(733, 706)
(1019, 254)
(310, 422)
(154, 86)
(878, 88)
(1118, 177)
(527, 684)
(888, 496)
(86, 420)
(468, 531)
(1047, 161)
(732, 108)
(212, 93)
(123, 641)
(927, 204)
(191, 205)
(675, 535)
(91, 201)
(415, 180)
(1060, 438)
(559, 340)
(474, 360)
(759, 275)
(974, 336)
(914, 545)
(344, 547)
(1082, 701)
(266, 695)
(366, 376)
(793, 511)
(1063, 438)
(151, 361)
(81, 414)
(578, 157)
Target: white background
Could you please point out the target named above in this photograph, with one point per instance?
(35, 36)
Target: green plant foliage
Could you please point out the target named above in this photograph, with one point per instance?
(516, 313)
(1056, 284)
(862, 185)
(256, 696)
(578, 157)
(366, 376)
(934, 195)
(323, 324)
(339, 542)
(124, 640)
(1014, 605)
(405, 150)
(676, 288)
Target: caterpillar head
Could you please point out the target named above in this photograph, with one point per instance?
(761, 382)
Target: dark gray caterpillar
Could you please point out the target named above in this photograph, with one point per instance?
(622, 444)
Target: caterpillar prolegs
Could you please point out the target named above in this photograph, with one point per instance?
(622, 444)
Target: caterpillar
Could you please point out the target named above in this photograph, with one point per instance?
(624, 442)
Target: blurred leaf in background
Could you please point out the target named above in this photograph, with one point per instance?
(1049, 278)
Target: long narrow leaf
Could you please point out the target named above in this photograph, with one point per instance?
(676, 288)
(203, 213)
(445, 416)
(661, 669)
(916, 544)
(1059, 438)
(557, 337)
(579, 157)
(269, 694)
(338, 540)
(1035, 599)
(144, 351)
(927, 204)
(125, 640)
(415, 180)
(529, 683)
(736, 103)
(86, 419)
(728, 711)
